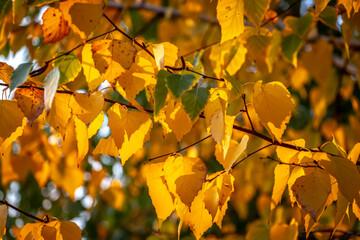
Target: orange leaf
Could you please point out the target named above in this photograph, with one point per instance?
(31, 102)
(54, 27)
(87, 106)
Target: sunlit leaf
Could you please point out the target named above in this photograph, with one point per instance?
(113, 57)
(82, 16)
(281, 174)
(54, 26)
(11, 118)
(31, 102)
(273, 104)
(106, 146)
(60, 112)
(230, 14)
(129, 130)
(69, 67)
(5, 72)
(184, 177)
(160, 196)
(92, 75)
(311, 192)
(87, 106)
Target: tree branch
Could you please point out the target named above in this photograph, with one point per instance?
(25, 213)
(180, 150)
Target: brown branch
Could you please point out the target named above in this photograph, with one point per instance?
(250, 154)
(25, 213)
(247, 112)
(281, 13)
(127, 36)
(180, 150)
(304, 165)
(150, 111)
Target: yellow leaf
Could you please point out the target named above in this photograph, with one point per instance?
(11, 118)
(295, 174)
(320, 5)
(273, 104)
(113, 57)
(140, 75)
(215, 111)
(94, 184)
(346, 174)
(96, 124)
(60, 113)
(230, 14)
(114, 195)
(237, 61)
(92, 75)
(166, 54)
(54, 230)
(184, 177)
(86, 106)
(82, 15)
(199, 218)
(106, 146)
(311, 192)
(3, 216)
(54, 26)
(160, 196)
(129, 130)
(177, 119)
(234, 153)
(255, 10)
(281, 174)
(76, 139)
(5, 72)
(354, 153)
(31, 102)
(284, 231)
(287, 155)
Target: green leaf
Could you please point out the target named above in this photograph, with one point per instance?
(161, 90)
(20, 75)
(51, 83)
(329, 17)
(194, 101)
(290, 46)
(179, 83)
(301, 25)
(69, 67)
(235, 84)
(255, 10)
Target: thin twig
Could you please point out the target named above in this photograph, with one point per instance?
(247, 112)
(250, 154)
(130, 38)
(180, 150)
(43, 68)
(281, 13)
(24, 213)
(304, 165)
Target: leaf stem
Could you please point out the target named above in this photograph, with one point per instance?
(247, 112)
